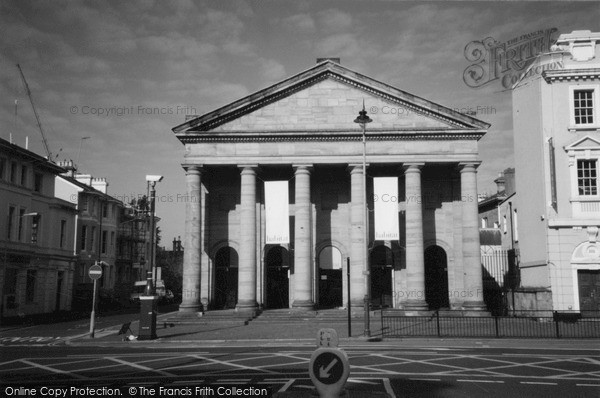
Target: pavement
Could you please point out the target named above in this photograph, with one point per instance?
(175, 328)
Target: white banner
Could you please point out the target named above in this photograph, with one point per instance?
(385, 197)
(277, 212)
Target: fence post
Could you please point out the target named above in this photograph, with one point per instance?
(437, 318)
(556, 323)
(497, 330)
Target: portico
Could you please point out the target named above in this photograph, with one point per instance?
(301, 131)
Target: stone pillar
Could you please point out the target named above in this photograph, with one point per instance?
(191, 256)
(302, 242)
(357, 238)
(473, 277)
(247, 255)
(415, 257)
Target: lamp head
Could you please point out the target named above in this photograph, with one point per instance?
(153, 178)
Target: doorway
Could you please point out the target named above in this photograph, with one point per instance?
(330, 278)
(226, 278)
(436, 278)
(589, 290)
(382, 264)
(277, 263)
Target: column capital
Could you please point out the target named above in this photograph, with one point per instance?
(302, 167)
(193, 168)
(466, 167)
(355, 167)
(413, 167)
(248, 168)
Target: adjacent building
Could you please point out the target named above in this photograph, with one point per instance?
(37, 235)
(297, 140)
(556, 120)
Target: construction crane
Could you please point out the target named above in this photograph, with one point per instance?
(37, 117)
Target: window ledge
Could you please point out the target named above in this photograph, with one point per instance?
(591, 198)
(584, 127)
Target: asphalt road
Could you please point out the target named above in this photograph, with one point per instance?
(384, 369)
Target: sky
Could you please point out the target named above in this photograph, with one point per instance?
(125, 73)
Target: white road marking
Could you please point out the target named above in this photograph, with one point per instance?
(138, 366)
(287, 385)
(53, 370)
(481, 381)
(539, 382)
(388, 388)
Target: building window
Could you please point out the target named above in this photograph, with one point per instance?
(20, 223)
(104, 239)
(587, 177)
(11, 222)
(515, 225)
(2, 167)
(38, 182)
(83, 237)
(13, 172)
(105, 210)
(23, 176)
(583, 106)
(36, 225)
(112, 241)
(484, 222)
(504, 225)
(93, 239)
(63, 230)
(30, 286)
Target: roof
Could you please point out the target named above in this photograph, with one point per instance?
(327, 69)
(26, 155)
(88, 189)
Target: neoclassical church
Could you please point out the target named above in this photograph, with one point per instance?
(292, 204)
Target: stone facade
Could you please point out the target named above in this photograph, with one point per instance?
(556, 119)
(302, 130)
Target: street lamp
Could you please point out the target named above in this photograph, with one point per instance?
(148, 301)
(152, 180)
(362, 120)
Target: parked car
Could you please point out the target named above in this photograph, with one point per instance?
(139, 289)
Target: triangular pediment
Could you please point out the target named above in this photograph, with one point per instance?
(328, 97)
(584, 143)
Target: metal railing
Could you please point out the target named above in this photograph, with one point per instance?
(539, 324)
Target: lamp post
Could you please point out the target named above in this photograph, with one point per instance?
(362, 120)
(148, 302)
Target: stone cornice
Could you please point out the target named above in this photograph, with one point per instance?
(307, 136)
(560, 75)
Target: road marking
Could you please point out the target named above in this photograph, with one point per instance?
(423, 379)
(234, 365)
(481, 381)
(287, 385)
(388, 388)
(53, 370)
(539, 382)
(138, 366)
(588, 385)
(361, 381)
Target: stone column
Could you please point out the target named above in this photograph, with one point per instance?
(302, 242)
(247, 255)
(473, 277)
(357, 238)
(192, 243)
(415, 257)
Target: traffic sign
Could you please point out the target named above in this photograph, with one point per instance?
(329, 369)
(327, 338)
(95, 272)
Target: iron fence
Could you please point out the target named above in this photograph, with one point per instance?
(537, 324)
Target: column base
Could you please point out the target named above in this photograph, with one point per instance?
(190, 308)
(474, 306)
(416, 305)
(303, 304)
(246, 305)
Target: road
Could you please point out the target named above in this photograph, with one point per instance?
(399, 372)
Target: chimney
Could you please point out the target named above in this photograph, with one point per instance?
(100, 184)
(500, 182)
(509, 177)
(174, 244)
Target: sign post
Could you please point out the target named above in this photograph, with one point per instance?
(95, 273)
(328, 367)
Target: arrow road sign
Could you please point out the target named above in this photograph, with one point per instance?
(329, 369)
